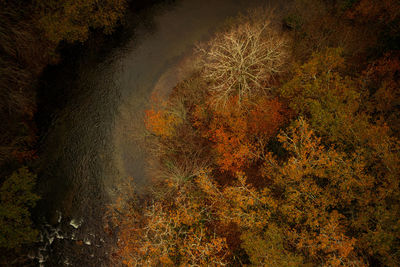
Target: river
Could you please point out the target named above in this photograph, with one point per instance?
(89, 146)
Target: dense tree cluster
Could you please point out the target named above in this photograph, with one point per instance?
(298, 166)
(16, 198)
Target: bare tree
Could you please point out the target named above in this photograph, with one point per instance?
(244, 59)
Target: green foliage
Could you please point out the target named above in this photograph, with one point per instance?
(344, 5)
(330, 101)
(268, 248)
(334, 107)
(16, 198)
(293, 22)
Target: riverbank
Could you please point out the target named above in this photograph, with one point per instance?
(31, 97)
(88, 149)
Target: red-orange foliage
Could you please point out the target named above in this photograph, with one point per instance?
(161, 120)
(239, 135)
(158, 122)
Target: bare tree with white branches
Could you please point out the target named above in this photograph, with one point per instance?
(244, 59)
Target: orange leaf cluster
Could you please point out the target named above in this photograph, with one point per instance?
(239, 135)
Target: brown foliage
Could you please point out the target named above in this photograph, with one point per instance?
(72, 20)
(385, 11)
(383, 81)
(170, 231)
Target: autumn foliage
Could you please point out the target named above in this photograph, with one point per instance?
(239, 135)
(301, 173)
(72, 20)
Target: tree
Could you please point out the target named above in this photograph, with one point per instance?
(16, 198)
(381, 79)
(330, 101)
(244, 60)
(303, 210)
(376, 11)
(177, 151)
(173, 230)
(239, 135)
(71, 20)
(322, 192)
(339, 110)
(382, 19)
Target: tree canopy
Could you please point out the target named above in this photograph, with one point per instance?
(16, 200)
(297, 167)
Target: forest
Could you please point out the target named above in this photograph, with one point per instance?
(281, 149)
